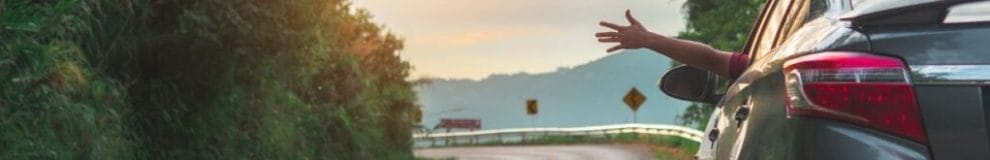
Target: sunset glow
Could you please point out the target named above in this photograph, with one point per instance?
(473, 39)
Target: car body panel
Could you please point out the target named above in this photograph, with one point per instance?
(968, 75)
(706, 148)
(825, 139)
(950, 66)
(962, 44)
(955, 120)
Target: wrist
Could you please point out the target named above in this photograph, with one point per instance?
(655, 41)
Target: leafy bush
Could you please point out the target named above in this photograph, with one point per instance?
(200, 79)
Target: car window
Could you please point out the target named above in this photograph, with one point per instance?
(801, 13)
(771, 23)
(754, 33)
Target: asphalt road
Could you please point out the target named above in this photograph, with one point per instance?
(543, 152)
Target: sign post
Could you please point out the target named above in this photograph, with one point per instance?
(634, 99)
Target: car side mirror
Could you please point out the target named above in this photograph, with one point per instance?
(690, 84)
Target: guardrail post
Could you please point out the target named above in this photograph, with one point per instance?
(649, 137)
(605, 133)
(475, 140)
(446, 139)
(499, 137)
(523, 137)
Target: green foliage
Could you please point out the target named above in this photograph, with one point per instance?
(200, 79)
(53, 103)
(696, 115)
(723, 24)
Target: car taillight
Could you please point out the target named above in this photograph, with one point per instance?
(869, 90)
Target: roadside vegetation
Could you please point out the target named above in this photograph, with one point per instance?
(200, 79)
(663, 147)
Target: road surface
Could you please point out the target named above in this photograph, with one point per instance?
(543, 152)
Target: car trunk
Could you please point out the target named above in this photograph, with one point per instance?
(950, 69)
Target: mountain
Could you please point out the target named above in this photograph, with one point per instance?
(584, 95)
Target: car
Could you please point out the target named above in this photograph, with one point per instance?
(852, 79)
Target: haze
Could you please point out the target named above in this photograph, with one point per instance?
(474, 39)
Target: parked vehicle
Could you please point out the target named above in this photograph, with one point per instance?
(853, 79)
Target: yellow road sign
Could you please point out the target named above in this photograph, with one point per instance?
(634, 99)
(531, 107)
(418, 115)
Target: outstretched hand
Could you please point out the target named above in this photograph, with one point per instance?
(629, 37)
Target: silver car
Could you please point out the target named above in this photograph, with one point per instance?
(853, 79)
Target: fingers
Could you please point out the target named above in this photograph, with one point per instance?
(614, 48)
(632, 20)
(607, 34)
(610, 25)
(613, 39)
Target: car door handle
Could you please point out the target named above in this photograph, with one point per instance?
(741, 114)
(713, 135)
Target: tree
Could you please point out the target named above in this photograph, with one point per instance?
(200, 79)
(723, 24)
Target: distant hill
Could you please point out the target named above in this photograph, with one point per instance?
(588, 94)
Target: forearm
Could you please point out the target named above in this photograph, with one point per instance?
(688, 52)
(692, 53)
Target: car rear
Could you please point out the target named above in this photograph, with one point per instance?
(944, 49)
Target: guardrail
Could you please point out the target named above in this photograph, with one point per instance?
(521, 134)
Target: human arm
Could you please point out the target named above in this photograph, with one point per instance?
(692, 53)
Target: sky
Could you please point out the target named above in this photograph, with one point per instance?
(476, 38)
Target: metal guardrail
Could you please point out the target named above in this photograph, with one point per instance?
(500, 135)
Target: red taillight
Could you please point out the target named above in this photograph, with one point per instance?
(863, 89)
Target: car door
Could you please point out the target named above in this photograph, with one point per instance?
(754, 104)
(706, 151)
(735, 105)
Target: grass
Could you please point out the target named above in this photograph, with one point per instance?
(663, 147)
(678, 142)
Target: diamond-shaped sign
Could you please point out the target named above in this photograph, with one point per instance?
(531, 107)
(417, 115)
(634, 99)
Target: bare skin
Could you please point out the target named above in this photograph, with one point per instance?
(692, 53)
